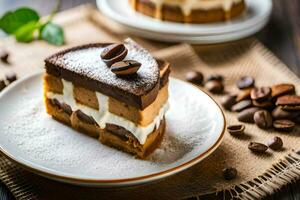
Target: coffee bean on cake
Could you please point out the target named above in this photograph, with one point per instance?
(113, 53)
(125, 67)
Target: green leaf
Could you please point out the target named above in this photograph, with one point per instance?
(10, 22)
(26, 32)
(53, 34)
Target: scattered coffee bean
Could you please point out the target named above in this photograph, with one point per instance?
(4, 55)
(284, 125)
(263, 119)
(236, 130)
(215, 87)
(247, 115)
(289, 102)
(11, 77)
(228, 101)
(245, 82)
(261, 94)
(276, 143)
(229, 173)
(2, 85)
(126, 67)
(282, 89)
(279, 113)
(215, 77)
(298, 152)
(265, 104)
(242, 105)
(113, 53)
(257, 147)
(244, 94)
(194, 77)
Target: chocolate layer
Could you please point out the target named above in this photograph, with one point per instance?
(83, 67)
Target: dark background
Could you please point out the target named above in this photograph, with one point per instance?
(281, 36)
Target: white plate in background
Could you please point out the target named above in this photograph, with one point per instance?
(121, 12)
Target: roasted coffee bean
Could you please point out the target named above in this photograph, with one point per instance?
(257, 147)
(113, 53)
(284, 125)
(275, 143)
(229, 173)
(245, 82)
(279, 113)
(215, 87)
(243, 94)
(2, 85)
(236, 130)
(282, 89)
(126, 67)
(263, 119)
(228, 101)
(247, 115)
(261, 94)
(194, 77)
(215, 77)
(264, 104)
(4, 55)
(289, 102)
(242, 105)
(11, 77)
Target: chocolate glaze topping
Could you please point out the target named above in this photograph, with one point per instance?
(83, 66)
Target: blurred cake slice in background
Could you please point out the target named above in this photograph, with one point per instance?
(190, 11)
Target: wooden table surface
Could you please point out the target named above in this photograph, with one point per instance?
(281, 36)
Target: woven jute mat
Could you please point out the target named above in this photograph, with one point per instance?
(257, 175)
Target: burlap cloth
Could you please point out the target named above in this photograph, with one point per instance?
(257, 175)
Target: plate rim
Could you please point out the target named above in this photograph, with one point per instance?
(101, 4)
(113, 182)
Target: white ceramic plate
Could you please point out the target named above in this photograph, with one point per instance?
(120, 11)
(207, 39)
(195, 128)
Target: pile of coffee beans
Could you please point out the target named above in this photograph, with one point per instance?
(275, 107)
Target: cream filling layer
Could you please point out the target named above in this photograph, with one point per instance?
(188, 5)
(103, 116)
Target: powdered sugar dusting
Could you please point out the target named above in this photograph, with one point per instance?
(29, 133)
(87, 61)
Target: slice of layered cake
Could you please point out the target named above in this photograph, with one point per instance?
(115, 92)
(190, 11)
